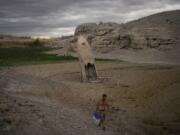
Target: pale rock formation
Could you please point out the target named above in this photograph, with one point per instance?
(156, 31)
(86, 59)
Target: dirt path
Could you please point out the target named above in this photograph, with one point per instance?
(51, 100)
(32, 115)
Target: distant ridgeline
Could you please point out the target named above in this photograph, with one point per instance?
(7, 41)
(159, 31)
(2, 36)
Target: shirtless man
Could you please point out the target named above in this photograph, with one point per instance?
(101, 108)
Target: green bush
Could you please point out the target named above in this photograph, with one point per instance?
(36, 43)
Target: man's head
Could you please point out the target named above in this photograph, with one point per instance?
(104, 96)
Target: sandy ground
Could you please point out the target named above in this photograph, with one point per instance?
(50, 99)
(146, 55)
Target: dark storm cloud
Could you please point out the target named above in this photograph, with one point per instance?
(57, 17)
(23, 8)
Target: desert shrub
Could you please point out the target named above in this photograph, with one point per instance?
(36, 43)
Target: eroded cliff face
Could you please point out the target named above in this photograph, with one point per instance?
(153, 39)
(159, 31)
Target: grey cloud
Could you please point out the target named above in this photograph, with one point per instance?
(50, 17)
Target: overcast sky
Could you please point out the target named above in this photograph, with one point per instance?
(60, 17)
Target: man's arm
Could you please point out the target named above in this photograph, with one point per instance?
(97, 107)
(107, 105)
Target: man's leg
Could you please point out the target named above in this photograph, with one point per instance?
(102, 118)
(102, 122)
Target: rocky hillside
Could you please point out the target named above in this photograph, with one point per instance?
(159, 31)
